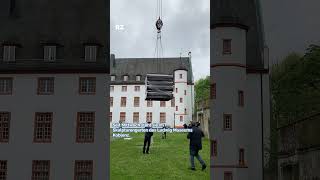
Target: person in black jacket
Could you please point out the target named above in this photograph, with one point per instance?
(195, 145)
(147, 139)
(164, 135)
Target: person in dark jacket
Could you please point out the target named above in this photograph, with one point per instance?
(147, 139)
(185, 126)
(195, 145)
(164, 135)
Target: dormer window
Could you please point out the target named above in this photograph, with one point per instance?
(125, 78)
(113, 78)
(9, 53)
(50, 53)
(138, 78)
(90, 53)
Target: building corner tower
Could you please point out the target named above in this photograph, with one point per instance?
(240, 91)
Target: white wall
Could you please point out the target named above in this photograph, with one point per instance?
(65, 103)
(230, 77)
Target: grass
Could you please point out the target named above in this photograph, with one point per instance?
(168, 158)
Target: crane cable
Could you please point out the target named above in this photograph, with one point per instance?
(158, 53)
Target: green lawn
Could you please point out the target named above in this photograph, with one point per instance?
(168, 158)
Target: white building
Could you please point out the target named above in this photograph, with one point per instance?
(127, 91)
(53, 76)
(240, 105)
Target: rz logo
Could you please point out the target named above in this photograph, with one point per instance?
(119, 27)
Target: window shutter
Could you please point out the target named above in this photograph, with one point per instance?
(87, 53)
(53, 51)
(9, 53)
(5, 53)
(12, 53)
(50, 53)
(46, 53)
(90, 53)
(94, 53)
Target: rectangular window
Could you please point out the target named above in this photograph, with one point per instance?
(111, 101)
(240, 98)
(227, 124)
(122, 117)
(124, 88)
(241, 157)
(185, 110)
(9, 53)
(40, 170)
(149, 103)
(149, 116)
(228, 175)
(180, 76)
(49, 53)
(162, 104)
(162, 117)
(172, 102)
(137, 88)
(87, 85)
(110, 116)
(111, 88)
(3, 170)
(214, 149)
(226, 46)
(181, 118)
(4, 127)
(113, 78)
(185, 92)
(85, 127)
(43, 127)
(177, 108)
(176, 90)
(136, 102)
(213, 91)
(45, 86)
(123, 102)
(138, 78)
(136, 117)
(181, 100)
(125, 78)
(5, 86)
(90, 53)
(83, 170)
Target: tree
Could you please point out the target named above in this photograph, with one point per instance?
(202, 90)
(295, 94)
(295, 86)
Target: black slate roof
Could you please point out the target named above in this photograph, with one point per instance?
(245, 14)
(70, 24)
(142, 66)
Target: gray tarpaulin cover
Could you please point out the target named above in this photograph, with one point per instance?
(159, 87)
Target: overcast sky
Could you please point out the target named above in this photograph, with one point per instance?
(290, 25)
(186, 28)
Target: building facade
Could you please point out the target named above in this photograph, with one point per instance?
(127, 91)
(203, 115)
(53, 90)
(240, 105)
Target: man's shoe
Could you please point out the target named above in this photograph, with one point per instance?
(143, 152)
(204, 167)
(147, 152)
(193, 169)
